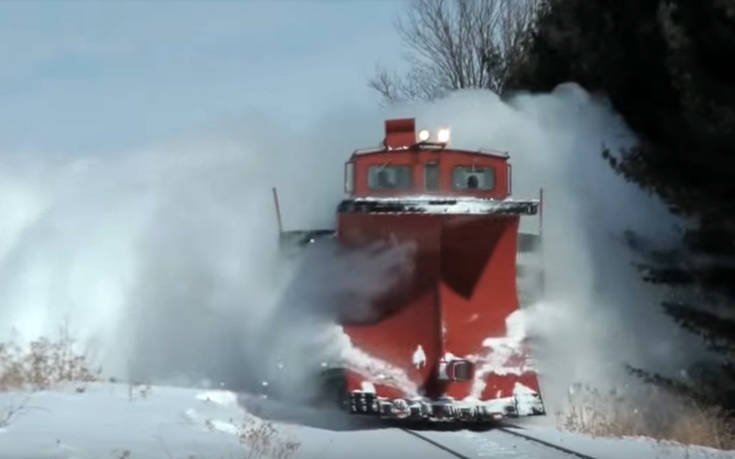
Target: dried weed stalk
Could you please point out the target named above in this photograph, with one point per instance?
(656, 414)
(264, 441)
(44, 363)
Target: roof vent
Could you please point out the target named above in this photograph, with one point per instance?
(400, 133)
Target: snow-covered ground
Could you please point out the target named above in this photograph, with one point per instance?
(120, 421)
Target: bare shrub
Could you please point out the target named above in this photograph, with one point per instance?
(264, 441)
(653, 413)
(12, 368)
(11, 411)
(43, 363)
(137, 389)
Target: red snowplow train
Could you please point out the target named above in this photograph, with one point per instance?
(449, 342)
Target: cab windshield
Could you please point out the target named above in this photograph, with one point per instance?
(389, 177)
(473, 178)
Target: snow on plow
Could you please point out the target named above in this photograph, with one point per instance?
(448, 341)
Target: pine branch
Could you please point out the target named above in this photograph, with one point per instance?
(717, 331)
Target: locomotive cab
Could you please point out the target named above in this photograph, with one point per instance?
(408, 166)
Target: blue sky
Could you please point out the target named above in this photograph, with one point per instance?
(90, 77)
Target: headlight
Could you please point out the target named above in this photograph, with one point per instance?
(443, 135)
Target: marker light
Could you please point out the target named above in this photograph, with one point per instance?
(424, 135)
(443, 135)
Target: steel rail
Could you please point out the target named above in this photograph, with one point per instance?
(436, 444)
(504, 430)
(545, 443)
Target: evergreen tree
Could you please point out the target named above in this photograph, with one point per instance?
(667, 67)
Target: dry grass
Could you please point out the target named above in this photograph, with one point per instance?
(44, 363)
(655, 413)
(264, 441)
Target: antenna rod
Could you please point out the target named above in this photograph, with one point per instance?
(278, 211)
(541, 211)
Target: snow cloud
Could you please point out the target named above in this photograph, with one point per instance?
(597, 314)
(164, 261)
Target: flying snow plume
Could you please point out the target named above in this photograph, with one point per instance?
(597, 313)
(165, 262)
(327, 285)
(156, 259)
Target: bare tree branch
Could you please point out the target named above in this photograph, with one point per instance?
(455, 44)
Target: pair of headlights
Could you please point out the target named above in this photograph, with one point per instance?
(442, 135)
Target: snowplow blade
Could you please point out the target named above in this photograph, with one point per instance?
(460, 308)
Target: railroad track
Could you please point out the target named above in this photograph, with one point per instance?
(545, 443)
(436, 444)
(506, 430)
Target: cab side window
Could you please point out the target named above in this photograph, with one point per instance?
(389, 177)
(473, 178)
